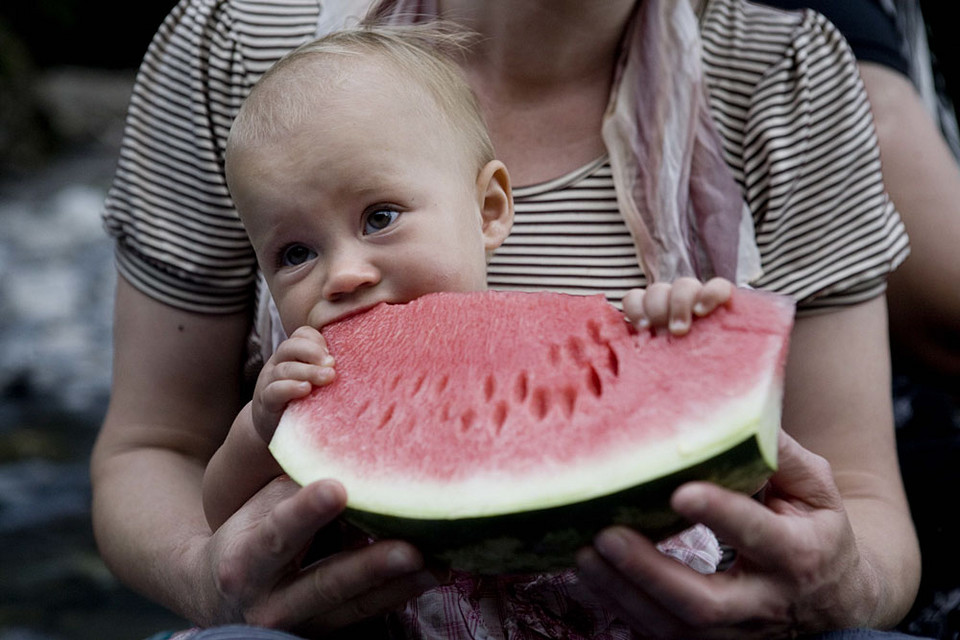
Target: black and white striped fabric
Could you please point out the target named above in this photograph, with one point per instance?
(784, 92)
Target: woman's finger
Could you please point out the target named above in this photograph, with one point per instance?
(666, 599)
(279, 536)
(805, 475)
(609, 573)
(353, 585)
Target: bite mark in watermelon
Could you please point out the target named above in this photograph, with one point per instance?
(499, 431)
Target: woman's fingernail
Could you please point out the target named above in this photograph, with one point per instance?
(400, 560)
(611, 545)
(689, 498)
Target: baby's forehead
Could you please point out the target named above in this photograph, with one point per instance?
(350, 70)
(323, 81)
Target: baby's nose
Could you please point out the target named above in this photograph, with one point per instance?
(349, 273)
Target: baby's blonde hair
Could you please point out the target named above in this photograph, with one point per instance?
(424, 53)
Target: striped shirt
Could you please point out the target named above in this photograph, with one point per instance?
(783, 88)
(568, 235)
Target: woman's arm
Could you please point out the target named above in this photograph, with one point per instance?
(923, 180)
(838, 404)
(176, 391)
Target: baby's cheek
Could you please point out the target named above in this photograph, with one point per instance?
(452, 275)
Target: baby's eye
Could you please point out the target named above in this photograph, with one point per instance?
(296, 254)
(378, 220)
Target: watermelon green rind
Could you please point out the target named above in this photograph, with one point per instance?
(546, 539)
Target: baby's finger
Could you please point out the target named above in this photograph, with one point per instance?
(277, 394)
(683, 294)
(715, 293)
(656, 304)
(306, 345)
(632, 304)
(303, 372)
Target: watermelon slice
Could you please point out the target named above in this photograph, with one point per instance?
(499, 431)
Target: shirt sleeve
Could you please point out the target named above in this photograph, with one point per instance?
(869, 29)
(828, 233)
(178, 238)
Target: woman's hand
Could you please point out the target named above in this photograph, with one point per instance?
(255, 559)
(673, 305)
(798, 567)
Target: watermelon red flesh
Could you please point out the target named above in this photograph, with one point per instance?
(477, 405)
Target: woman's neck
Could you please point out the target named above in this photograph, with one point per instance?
(542, 72)
(536, 45)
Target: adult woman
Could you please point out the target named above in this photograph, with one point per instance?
(825, 551)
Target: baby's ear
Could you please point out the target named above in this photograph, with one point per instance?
(496, 204)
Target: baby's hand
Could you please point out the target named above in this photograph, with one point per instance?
(299, 363)
(673, 305)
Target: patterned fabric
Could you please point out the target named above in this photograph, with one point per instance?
(532, 607)
(507, 608)
(676, 192)
(239, 632)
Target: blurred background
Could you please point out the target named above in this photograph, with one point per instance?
(66, 70)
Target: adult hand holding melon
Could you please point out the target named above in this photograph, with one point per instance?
(500, 431)
(783, 566)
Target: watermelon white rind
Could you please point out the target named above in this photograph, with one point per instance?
(499, 431)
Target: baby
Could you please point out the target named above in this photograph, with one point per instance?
(363, 172)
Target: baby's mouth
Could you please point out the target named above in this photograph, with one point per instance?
(353, 312)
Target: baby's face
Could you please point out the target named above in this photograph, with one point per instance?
(373, 200)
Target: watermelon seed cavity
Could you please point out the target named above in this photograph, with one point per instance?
(575, 347)
(521, 387)
(555, 355)
(541, 403)
(387, 416)
(500, 416)
(593, 328)
(593, 381)
(467, 420)
(489, 387)
(613, 361)
(419, 384)
(364, 407)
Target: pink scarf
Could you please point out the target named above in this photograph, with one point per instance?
(676, 193)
